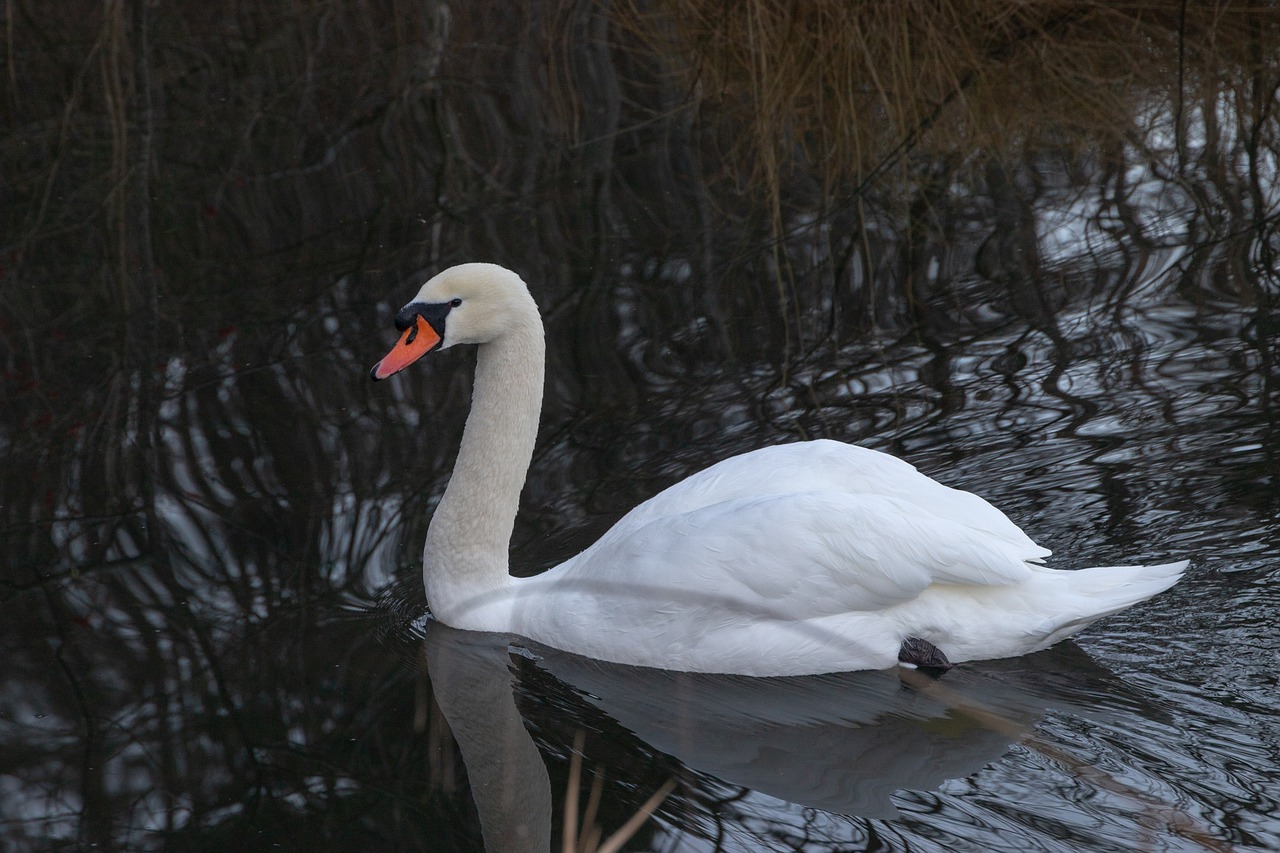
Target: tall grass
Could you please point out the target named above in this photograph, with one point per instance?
(847, 89)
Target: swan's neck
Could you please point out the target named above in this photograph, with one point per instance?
(464, 562)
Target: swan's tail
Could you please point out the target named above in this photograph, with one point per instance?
(1124, 586)
(1105, 590)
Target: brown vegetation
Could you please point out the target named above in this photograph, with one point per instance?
(846, 89)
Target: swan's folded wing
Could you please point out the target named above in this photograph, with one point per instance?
(800, 556)
(831, 467)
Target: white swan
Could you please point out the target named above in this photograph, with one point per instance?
(790, 560)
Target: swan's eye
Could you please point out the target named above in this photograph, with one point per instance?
(455, 302)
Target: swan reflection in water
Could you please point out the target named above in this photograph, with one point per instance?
(842, 743)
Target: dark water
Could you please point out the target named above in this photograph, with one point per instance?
(213, 621)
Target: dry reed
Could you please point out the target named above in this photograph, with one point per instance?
(847, 88)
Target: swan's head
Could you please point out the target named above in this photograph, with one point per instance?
(466, 304)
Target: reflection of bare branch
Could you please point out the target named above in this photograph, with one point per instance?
(1150, 813)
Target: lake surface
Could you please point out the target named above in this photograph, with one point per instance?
(214, 628)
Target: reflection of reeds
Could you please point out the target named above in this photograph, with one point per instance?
(574, 144)
(585, 836)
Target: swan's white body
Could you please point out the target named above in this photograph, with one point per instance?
(796, 559)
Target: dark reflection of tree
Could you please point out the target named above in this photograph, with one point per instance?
(209, 214)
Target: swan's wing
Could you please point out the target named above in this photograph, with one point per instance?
(790, 556)
(831, 467)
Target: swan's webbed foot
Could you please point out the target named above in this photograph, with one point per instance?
(923, 655)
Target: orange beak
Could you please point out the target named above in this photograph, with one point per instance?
(417, 340)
